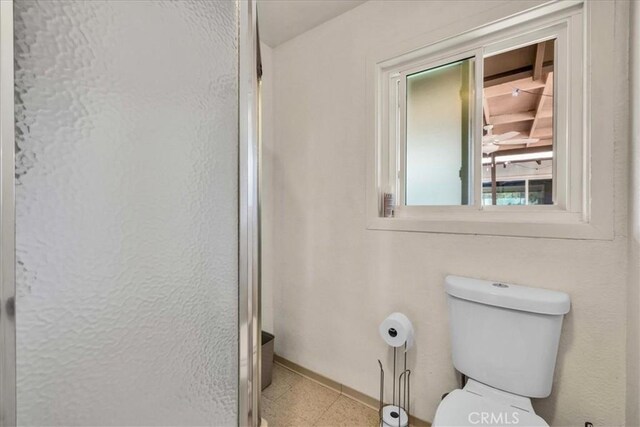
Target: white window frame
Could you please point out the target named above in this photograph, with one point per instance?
(573, 214)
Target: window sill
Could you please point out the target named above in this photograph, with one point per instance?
(486, 223)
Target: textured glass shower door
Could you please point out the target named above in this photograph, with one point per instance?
(127, 212)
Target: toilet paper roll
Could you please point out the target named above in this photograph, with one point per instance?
(396, 330)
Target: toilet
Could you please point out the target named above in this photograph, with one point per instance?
(504, 339)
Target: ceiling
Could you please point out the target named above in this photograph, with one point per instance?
(282, 20)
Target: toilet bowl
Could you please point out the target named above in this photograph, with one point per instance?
(480, 405)
(504, 338)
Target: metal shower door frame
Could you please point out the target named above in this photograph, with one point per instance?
(249, 327)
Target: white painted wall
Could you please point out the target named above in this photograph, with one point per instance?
(633, 309)
(267, 187)
(334, 280)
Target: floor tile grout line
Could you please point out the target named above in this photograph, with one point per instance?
(283, 393)
(288, 385)
(315, 422)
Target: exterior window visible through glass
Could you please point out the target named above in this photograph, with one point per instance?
(519, 192)
(540, 192)
(518, 113)
(508, 193)
(438, 135)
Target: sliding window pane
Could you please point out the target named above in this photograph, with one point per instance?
(438, 135)
(518, 114)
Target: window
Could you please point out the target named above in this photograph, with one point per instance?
(484, 132)
(501, 97)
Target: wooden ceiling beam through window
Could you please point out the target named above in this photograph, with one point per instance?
(486, 111)
(513, 75)
(526, 84)
(547, 94)
(539, 61)
(545, 133)
(512, 118)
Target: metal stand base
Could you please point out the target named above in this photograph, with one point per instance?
(394, 416)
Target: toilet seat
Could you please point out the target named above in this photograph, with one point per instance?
(480, 405)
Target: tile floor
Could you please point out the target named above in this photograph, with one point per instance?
(296, 401)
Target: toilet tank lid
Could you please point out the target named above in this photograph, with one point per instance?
(515, 297)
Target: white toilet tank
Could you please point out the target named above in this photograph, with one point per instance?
(505, 336)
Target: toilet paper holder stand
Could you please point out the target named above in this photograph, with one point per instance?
(403, 391)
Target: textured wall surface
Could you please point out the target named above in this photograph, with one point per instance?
(334, 280)
(126, 212)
